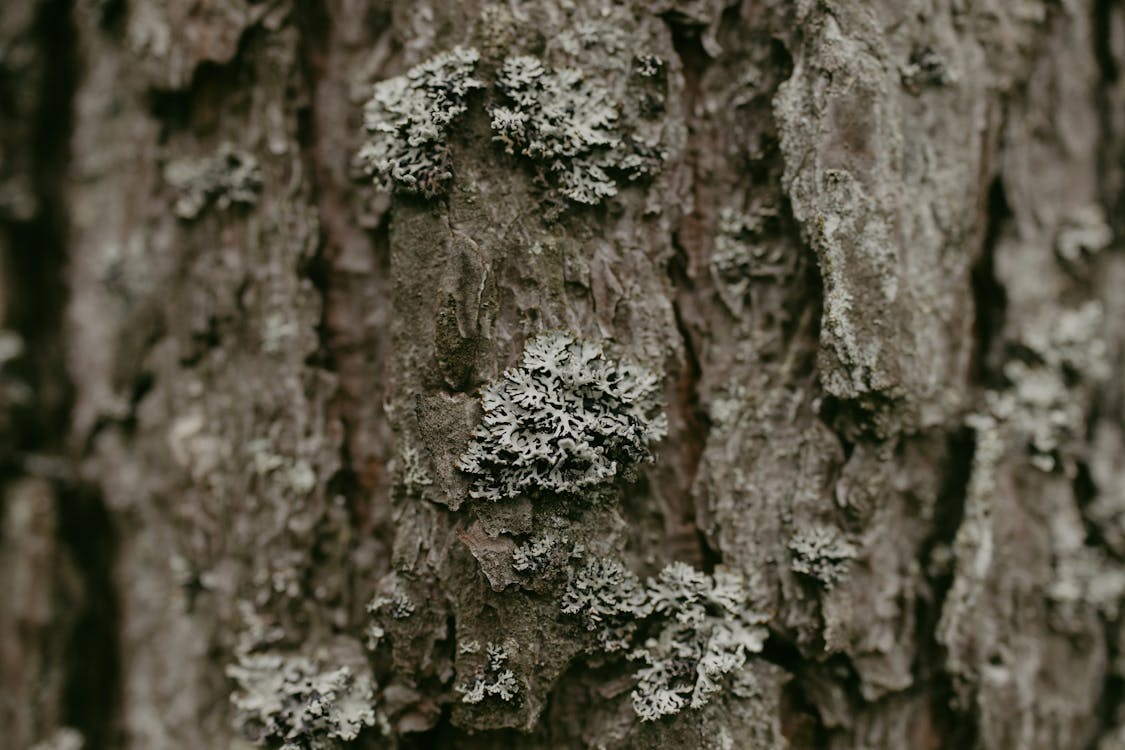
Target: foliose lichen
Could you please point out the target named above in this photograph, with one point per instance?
(570, 124)
(228, 177)
(1039, 405)
(413, 476)
(565, 419)
(540, 552)
(398, 605)
(493, 679)
(297, 704)
(408, 120)
(707, 631)
(609, 599)
(822, 553)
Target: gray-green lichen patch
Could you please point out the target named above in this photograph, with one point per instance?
(228, 177)
(564, 420)
(1085, 579)
(822, 553)
(742, 253)
(609, 599)
(1042, 406)
(492, 679)
(408, 121)
(707, 630)
(541, 553)
(697, 628)
(412, 474)
(296, 703)
(570, 124)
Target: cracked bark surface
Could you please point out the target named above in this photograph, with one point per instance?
(879, 271)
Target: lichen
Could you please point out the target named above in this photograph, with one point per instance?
(925, 68)
(1083, 234)
(707, 630)
(539, 553)
(228, 177)
(413, 475)
(822, 553)
(408, 121)
(1085, 579)
(392, 602)
(566, 419)
(493, 679)
(297, 703)
(398, 605)
(609, 599)
(739, 256)
(64, 738)
(569, 123)
(1039, 405)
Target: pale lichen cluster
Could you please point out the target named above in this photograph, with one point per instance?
(707, 630)
(568, 123)
(408, 121)
(562, 421)
(559, 118)
(228, 177)
(295, 703)
(1038, 405)
(608, 599)
(822, 553)
(540, 552)
(700, 628)
(492, 680)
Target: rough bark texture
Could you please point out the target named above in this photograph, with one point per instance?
(876, 270)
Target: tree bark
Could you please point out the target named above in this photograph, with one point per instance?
(875, 261)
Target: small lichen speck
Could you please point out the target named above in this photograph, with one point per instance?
(648, 65)
(64, 738)
(822, 553)
(227, 177)
(537, 555)
(492, 679)
(398, 605)
(412, 471)
(564, 420)
(408, 121)
(294, 703)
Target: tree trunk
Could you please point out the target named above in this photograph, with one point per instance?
(251, 343)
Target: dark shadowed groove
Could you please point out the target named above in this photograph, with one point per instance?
(990, 301)
(92, 688)
(344, 341)
(36, 305)
(957, 729)
(697, 426)
(91, 696)
(1111, 145)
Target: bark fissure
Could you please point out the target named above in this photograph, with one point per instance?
(84, 642)
(361, 478)
(692, 442)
